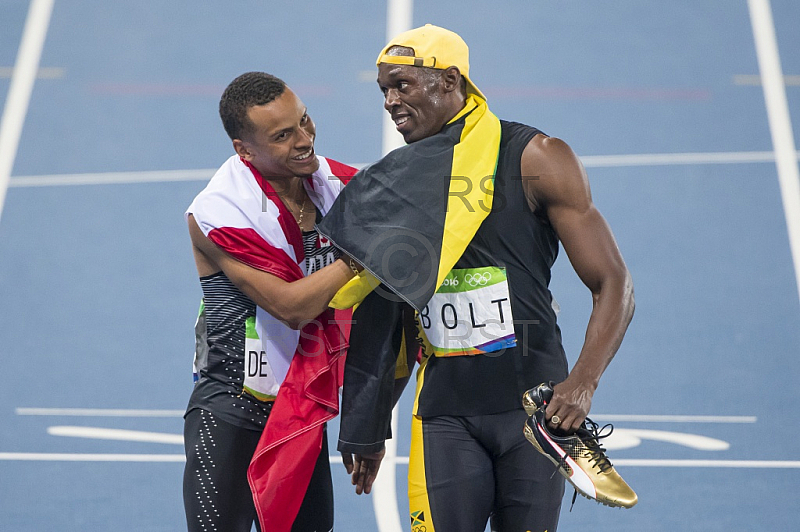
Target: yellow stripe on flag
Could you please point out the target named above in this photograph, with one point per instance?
(472, 181)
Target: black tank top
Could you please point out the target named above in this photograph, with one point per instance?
(221, 368)
(524, 243)
(219, 388)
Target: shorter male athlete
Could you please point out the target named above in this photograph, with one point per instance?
(267, 276)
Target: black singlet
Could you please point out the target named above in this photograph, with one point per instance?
(523, 242)
(221, 375)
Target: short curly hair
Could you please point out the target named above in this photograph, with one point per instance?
(244, 92)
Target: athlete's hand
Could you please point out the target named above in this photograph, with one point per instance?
(570, 404)
(363, 468)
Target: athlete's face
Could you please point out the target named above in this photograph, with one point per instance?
(281, 143)
(414, 99)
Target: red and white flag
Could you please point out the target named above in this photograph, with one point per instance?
(241, 213)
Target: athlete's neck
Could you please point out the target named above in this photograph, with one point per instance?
(289, 187)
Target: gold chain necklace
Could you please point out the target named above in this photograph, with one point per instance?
(302, 210)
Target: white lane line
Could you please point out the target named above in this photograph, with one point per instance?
(589, 161)
(617, 440)
(399, 18)
(629, 438)
(673, 419)
(755, 79)
(101, 412)
(384, 489)
(99, 433)
(118, 412)
(42, 73)
(112, 178)
(635, 462)
(669, 159)
(19, 92)
(780, 125)
(96, 457)
(403, 460)
(748, 464)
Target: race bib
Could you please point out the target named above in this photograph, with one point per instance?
(259, 379)
(470, 313)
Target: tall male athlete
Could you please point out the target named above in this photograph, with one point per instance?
(469, 459)
(266, 275)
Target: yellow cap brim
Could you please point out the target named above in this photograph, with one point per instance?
(428, 62)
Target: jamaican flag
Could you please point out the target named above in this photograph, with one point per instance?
(407, 219)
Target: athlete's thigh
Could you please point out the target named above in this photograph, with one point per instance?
(528, 490)
(451, 483)
(316, 512)
(216, 494)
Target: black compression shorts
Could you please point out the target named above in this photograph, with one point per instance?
(216, 494)
(464, 471)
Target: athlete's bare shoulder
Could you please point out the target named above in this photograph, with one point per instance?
(203, 250)
(552, 174)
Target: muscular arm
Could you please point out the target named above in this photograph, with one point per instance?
(560, 189)
(292, 303)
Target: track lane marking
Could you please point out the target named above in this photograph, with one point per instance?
(204, 174)
(101, 433)
(123, 412)
(780, 124)
(23, 77)
(399, 18)
(401, 460)
(101, 412)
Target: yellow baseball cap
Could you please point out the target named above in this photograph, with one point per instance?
(434, 47)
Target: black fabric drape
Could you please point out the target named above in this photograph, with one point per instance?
(367, 403)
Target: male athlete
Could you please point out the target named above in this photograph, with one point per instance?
(469, 460)
(267, 278)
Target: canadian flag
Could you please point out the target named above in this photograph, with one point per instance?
(239, 211)
(323, 242)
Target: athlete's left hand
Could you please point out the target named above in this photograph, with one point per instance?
(363, 468)
(571, 402)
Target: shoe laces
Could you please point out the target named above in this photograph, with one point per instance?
(591, 434)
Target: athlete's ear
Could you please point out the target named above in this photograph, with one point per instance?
(242, 150)
(451, 79)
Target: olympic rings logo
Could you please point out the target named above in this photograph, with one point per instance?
(478, 279)
(421, 528)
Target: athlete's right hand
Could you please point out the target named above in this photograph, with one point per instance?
(363, 468)
(571, 402)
